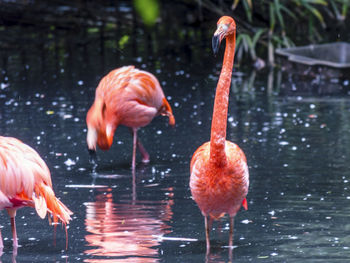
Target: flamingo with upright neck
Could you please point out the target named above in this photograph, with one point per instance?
(219, 172)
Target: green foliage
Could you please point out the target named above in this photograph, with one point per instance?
(148, 10)
(123, 41)
(273, 23)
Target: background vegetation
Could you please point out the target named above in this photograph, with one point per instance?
(269, 24)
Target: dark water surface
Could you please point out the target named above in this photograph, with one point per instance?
(296, 137)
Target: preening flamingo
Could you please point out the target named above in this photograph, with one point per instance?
(219, 171)
(25, 181)
(125, 96)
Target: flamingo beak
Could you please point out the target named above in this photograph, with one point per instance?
(92, 155)
(219, 35)
(91, 138)
(216, 40)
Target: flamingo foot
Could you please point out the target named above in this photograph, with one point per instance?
(146, 159)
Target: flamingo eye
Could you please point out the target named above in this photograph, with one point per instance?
(225, 27)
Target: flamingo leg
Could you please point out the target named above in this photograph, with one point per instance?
(134, 131)
(1, 243)
(230, 242)
(14, 232)
(207, 234)
(138, 144)
(12, 214)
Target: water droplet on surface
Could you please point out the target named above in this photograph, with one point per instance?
(69, 162)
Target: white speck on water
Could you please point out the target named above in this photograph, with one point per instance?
(274, 254)
(159, 132)
(199, 123)
(230, 119)
(4, 85)
(176, 104)
(69, 162)
(272, 213)
(312, 106)
(283, 143)
(294, 148)
(80, 82)
(245, 221)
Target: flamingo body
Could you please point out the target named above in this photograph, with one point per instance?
(219, 189)
(219, 172)
(125, 96)
(25, 181)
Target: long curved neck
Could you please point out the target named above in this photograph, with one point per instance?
(219, 120)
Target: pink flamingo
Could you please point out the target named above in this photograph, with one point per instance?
(25, 181)
(125, 96)
(219, 171)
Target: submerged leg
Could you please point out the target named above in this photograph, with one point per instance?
(207, 233)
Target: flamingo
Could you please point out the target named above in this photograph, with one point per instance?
(219, 172)
(125, 96)
(25, 181)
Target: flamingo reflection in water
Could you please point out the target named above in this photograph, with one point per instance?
(127, 231)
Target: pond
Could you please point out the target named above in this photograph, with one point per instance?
(295, 136)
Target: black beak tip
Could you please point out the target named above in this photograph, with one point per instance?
(215, 43)
(92, 152)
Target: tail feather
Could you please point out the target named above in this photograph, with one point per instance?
(46, 201)
(54, 206)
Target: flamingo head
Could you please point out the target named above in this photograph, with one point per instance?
(100, 131)
(102, 137)
(226, 26)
